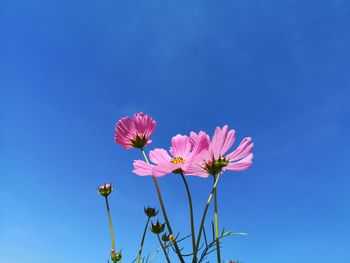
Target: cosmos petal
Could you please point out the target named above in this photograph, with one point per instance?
(142, 168)
(228, 142)
(162, 169)
(180, 146)
(241, 165)
(244, 148)
(159, 156)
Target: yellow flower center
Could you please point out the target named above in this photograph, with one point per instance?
(177, 160)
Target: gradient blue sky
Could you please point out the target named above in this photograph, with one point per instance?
(277, 71)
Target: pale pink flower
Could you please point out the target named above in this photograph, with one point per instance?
(182, 154)
(214, 160)
(134, 132)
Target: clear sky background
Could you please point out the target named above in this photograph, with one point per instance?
(277, 71)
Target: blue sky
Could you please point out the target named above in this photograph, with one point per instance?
(277, 71)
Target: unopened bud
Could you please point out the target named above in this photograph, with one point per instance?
(171, 237)
(116, 256)
(150, 212)
(168, 238)
(157, 228)
(165, 237)
(105, 189)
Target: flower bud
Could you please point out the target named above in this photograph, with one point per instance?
(105, 189)
(150, 212)
(165, 237)
(157, 228)
(168, 238)
(116, 256)
(171, 237)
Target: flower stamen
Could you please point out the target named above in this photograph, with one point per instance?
(177, 160)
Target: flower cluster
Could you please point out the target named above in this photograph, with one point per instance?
(195, 154)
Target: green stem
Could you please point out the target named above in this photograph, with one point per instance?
(110, 223)
(203, 219)
(216, 220)
(191, 211)
(164, 250)
(143, 240)
(178, 252)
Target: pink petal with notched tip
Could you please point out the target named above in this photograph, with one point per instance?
(197, 170)
(218, 140)
(194, 137)
(144, 124)
(228, 142)
(122, 132)
(222, 141)
(199, 152)
(213, 144)
(201, 144)
(241, 165)
(142, 168)
(163, 169)
(244, 148)
(159, 156)
(180, 146)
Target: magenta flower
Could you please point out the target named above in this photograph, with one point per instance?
(182, 153)
(214, 160)
(134, 132)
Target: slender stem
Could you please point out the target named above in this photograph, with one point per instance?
(203, 219)
(178, 252)
(143, 240)
(110, 223)
(144, 155)
(191, 211)
(216, 221)
(164, 250)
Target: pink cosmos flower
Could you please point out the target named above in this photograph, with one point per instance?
(214, 160)
(134, 132)
(182, 153)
